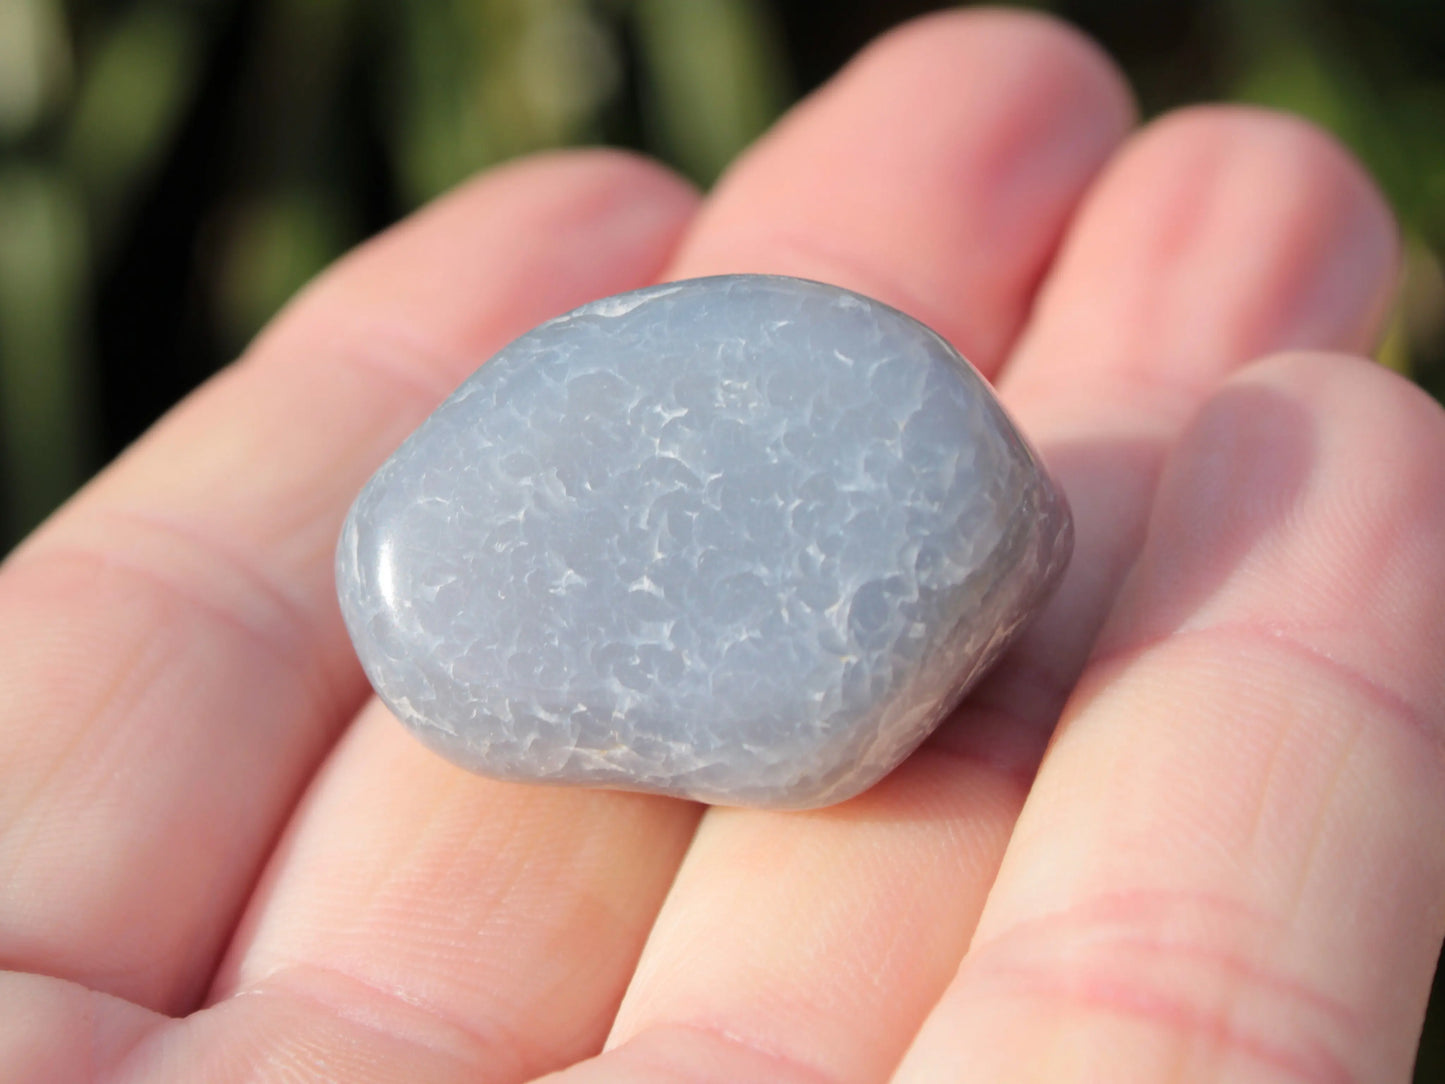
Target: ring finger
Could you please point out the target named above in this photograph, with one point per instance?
(1216, 235)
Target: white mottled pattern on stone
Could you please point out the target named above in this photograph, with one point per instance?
(744, 539)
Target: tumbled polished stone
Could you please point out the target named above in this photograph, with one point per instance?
(744, 539)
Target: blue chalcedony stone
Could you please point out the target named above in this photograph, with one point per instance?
(743, 539)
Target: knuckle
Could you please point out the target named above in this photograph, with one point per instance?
(1192, 968)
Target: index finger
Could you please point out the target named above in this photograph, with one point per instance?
(176, 661)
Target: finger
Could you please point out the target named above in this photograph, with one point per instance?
(937, 173)
(449, 942)
(176, 663)
(1230, 868)
(53, 1030)
(857, 916)
(501, 919)
(1278, 240)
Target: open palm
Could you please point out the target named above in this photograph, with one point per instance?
(219, 860)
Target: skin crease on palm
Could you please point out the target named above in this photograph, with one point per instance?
(1189, 831)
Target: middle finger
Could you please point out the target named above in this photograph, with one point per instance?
(518, 912)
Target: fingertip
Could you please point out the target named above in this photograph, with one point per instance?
(1230, 232)
(570, 225)
(1341, 384)
(592, 180)
(1295, 140)
(936, 172)
(1381, 434)
(1280, 172)
(1309, 488)
(1055, 50)
(579, 192)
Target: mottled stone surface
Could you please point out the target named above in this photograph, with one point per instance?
(743, 539)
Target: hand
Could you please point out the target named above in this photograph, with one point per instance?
(222, 861)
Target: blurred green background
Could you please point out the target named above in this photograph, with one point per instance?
(172, 170)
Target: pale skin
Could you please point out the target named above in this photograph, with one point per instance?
(1191, 830)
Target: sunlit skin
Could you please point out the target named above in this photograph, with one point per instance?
(1190, 831)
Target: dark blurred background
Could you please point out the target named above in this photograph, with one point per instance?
(172, 170)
